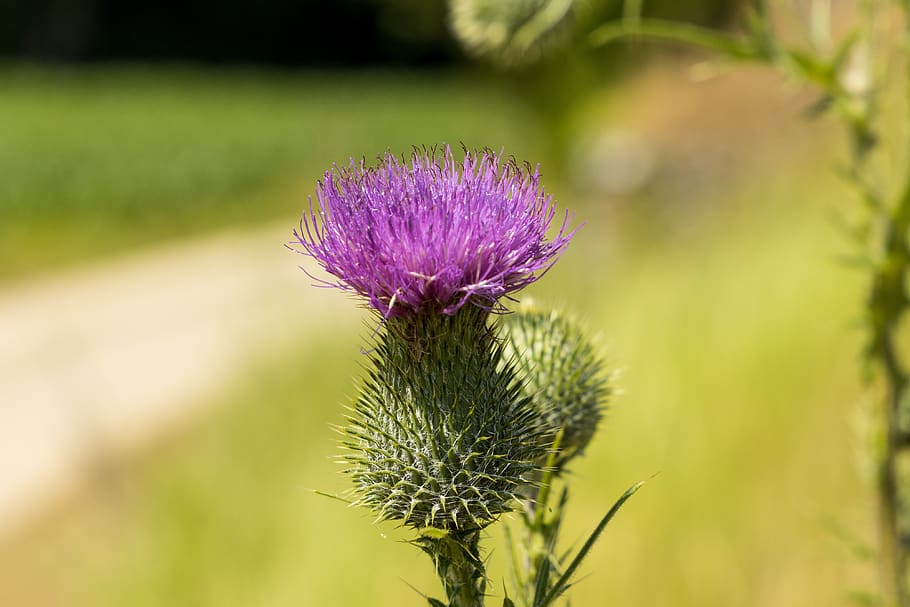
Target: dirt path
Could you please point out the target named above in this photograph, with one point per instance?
(105, 358)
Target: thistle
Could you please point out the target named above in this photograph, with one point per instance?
(442, 437)
(563, 375)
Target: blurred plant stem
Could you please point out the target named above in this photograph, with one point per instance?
(852, 77)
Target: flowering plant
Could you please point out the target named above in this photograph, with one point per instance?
(460, 418)
(432, 235)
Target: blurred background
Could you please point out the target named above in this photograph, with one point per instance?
(169, 378)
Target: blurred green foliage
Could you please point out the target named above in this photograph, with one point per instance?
(101, 159)
(562, 69)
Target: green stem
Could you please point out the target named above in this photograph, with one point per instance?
(456, 556)
(886, 299)
(546, 482)
(631, 12)
(540, 532)
(887, 302)
(670, 31)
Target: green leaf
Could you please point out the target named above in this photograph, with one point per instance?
(542, 582)
(564, 582)
(506, 601)
(436, 602)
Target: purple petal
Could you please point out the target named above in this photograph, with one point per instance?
(433, 235)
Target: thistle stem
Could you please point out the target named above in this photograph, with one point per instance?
(887, 302)
(541, 531)
(456, 556)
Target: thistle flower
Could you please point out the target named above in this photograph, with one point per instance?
(561, 372)
(434, 234)
(441, 437)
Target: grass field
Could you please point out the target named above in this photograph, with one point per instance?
(95, 161)
(731, 325)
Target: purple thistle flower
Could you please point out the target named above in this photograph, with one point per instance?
(433, 235)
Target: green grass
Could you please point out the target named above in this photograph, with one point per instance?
(740, 393)
(99, 160)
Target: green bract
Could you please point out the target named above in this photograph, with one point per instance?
(442, 434)
(561, 372)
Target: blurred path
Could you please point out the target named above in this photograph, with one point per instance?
(102, 359)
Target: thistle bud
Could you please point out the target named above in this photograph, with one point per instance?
(441, 434)
(561, 373)
(509, 31)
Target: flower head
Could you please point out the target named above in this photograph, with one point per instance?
(562, 373)
(434, 234)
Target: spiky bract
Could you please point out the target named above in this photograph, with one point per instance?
(562, 374)
(435, 234)
(441, 434)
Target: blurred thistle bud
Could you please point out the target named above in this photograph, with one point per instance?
(562, 374)
(441, 434)
(509, 32)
